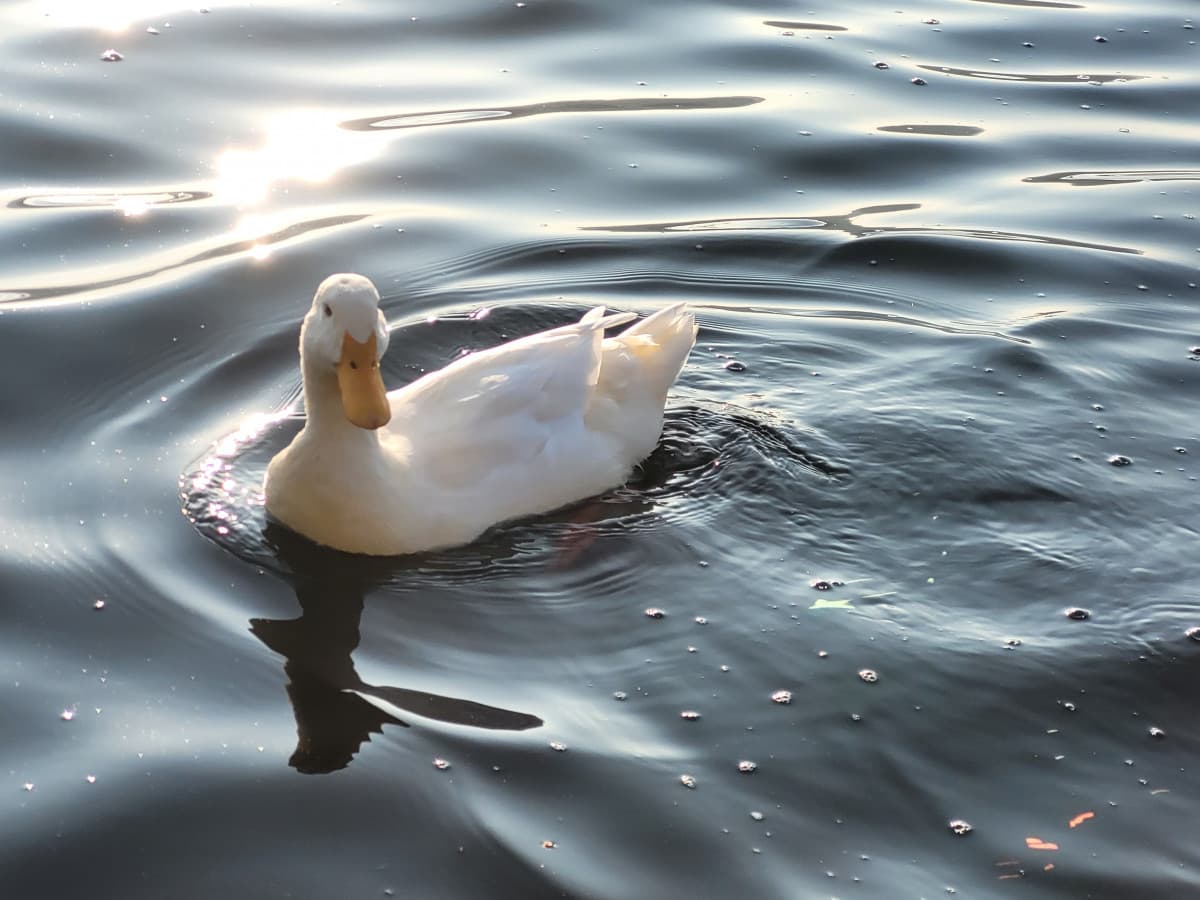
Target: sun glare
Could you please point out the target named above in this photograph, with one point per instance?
(299, 146)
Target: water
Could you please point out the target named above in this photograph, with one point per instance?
(930, 315)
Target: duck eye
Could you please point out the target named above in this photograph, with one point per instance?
(326, 309)
(353, 364)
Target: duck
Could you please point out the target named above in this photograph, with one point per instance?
(527, 427)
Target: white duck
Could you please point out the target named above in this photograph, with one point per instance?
(523, 428)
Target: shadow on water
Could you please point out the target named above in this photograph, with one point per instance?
(336, 711)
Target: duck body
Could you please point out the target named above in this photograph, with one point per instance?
(523, 428)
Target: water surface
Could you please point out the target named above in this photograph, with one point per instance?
(955, 251)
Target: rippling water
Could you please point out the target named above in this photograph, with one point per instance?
(955, 250)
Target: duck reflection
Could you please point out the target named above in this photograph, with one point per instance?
(333, 706)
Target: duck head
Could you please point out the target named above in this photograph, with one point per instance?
(345, 332)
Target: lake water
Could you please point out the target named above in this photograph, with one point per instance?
(954, 248)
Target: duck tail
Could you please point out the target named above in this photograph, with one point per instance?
(672, 334)
(646, 358)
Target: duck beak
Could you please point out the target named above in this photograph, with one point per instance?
(363, 397)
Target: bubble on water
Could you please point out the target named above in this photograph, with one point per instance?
(734, 366)
(111, 55)
(1156, 732)
(620, 695)
(28, 787)
(99, 604)
(654, 612)
(724, 668)
(1193, 633)
(747, 766)
(559, 746)
(701, 620)
(919, 82)
(441, 764)
(1078, 613)
(882, 65)
(90, 779)
(1181, 449)
(870, 676)
(782, 696)
(688, 781)
(960, 826)
(1013, 642)
(1100, 39)
(67, 715)
(823, 654)
(855, 717)
(691, 649)
(757, 816)
(689, 715)
(1027, 43)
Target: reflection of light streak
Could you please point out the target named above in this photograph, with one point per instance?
(304, 146)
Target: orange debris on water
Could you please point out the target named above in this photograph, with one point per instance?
(1047, 867)
(1081, 818)
(1036, 843)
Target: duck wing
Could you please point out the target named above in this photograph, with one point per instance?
(518, 405)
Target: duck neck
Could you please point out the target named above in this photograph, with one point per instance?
(324, 416)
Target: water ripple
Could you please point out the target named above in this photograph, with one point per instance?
(463, 116)
(214, 251)
(129, 201)
(845, 223)
(1116, 176)
(1031, 77)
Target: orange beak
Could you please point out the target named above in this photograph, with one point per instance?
(363, 397)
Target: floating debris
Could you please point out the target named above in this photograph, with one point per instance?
(1077, 613)
(747, 766)
(441, 764)
(960, 826)
(870, 676)
(882, 65)
(1156, 732)
(782, 697)
(620, 695)
(688, 781)
(757, 816)
(28, 787)
(558, 746)
(549, 845)
(734, 366)
(111, 55)
(1078, 820)
(1193, 633)
(919, 82)
(67, 715)
(99, 604)
(701, 620)
(654, 612)
(1119, 460)
(689, 715)
(90, 779)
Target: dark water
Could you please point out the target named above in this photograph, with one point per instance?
(954, 301)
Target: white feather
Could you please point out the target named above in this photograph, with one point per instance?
(522, 428)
